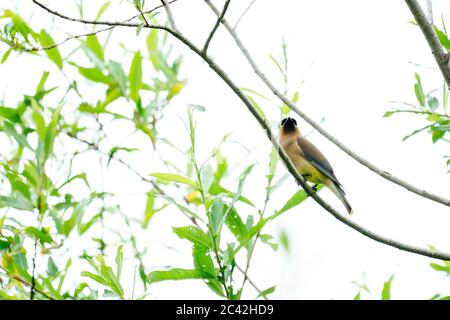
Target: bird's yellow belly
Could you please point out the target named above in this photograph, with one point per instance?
(309, 172)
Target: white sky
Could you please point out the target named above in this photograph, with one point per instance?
(359, 56)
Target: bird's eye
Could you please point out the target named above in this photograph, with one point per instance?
(295, 122)
(283, 122)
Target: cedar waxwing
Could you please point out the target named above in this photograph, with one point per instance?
(308, 160)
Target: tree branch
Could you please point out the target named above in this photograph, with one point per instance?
(216, 26)
(315, 125)
(291, 168)
(243, 14)
(33, 278)
(169, 15)
(426, 25)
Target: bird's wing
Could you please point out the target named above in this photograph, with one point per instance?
(316, 158)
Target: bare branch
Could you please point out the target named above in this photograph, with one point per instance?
(169, 15)
(426, 26)
(243, 14)
(216, 26)
(319, 128)
(99, 31)
(33, 277)
(125, 23)
(70, 38)
(291, 168)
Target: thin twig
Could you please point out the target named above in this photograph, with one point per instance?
(243, 14)
(319, 128)
(169, 14)
(142, 15)
(33, 268)
(216, 26)
(426, 26)
(35, 49)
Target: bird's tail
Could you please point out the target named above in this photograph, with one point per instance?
(337, 190)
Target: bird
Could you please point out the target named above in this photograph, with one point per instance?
(309, 161)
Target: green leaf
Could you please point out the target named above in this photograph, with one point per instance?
(295, 200)
(5, 296)
(216, 286)
(442, 128)
(237, 227)
(284, 240)
(119, 261)
(95, 277)
(21, 139)
(96, 75)
(38, 120)
(175, 89)
(433, 103)
(50, 134)
(419, 91)
(255, 93)
(52, 268)
(257, 107)
(113, 282)
(18, 202)
(386, 293)
(266, 292)
(216, 216)
(357, 296)
(207, 177)
(443, 268)
(53, 54)
(216, 189)
(5, 56)
(269, 240)
(81, 176)
(41, 84)
(139, 28)
(149, 208)
(135, 76)
(118, 74)
(437, 135)
(102, 9)
(174, 274)
(222, 167)
(4, 245)
(203, 261)
(83, 227)
(181, 207)
(443, 39)
(387, 114)
(273, 163)
(169, 177)
(152, 47)
(9, 113)
(42, 235)
(94, 45)
(76, 217)
(194, 235)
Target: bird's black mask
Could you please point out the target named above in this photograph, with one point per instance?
(288, 124)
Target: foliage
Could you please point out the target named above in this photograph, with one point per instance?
(48, 206)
